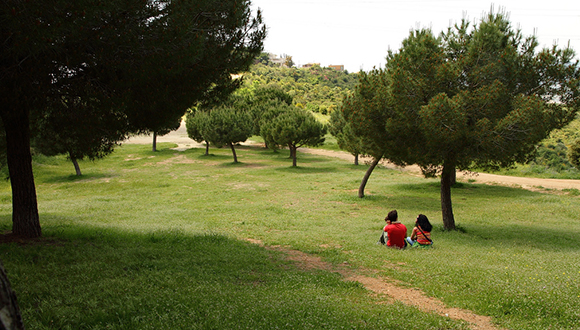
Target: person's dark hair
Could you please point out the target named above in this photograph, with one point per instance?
(424, 223)
(393, 216)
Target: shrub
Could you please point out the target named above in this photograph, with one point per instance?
(574, 154)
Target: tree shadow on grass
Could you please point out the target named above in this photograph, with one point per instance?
(465, 190)
(215, 156)
(239, 164)
(187, 280)
(523, 236)
(307, 170)
(75, 178)
(253, 147)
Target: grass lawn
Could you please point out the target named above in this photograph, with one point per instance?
(157, 240)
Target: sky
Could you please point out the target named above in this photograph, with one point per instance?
(358, 33)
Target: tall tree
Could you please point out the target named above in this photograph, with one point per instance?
(143, 58)
(475, 97)
(293, 128)
(363, 111)
(348, 140)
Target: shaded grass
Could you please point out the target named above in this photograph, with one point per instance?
(110, 279)
(516, 258)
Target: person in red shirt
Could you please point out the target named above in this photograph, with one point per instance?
(396, 232)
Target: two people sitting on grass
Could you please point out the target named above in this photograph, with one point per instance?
(395, 233)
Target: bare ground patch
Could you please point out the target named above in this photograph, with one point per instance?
(178, 159)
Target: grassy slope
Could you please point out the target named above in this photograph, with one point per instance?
(149, 240)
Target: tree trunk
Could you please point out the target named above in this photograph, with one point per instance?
(361, 189)
(25, 219)
(293, 154)
(453, 177)
(446, 207)
(76, 165)
(154, 141)
(356, 159)
(11, 318)
(207, 148)
(233, 152)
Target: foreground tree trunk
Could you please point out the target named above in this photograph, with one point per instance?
(446, 207)
(11, 318)
(453, 177)
(361, 189)
(206, 148)
(25, 219)
(76, 165)
(233, 152)
(154, 141)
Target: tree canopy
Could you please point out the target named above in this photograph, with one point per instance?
(265, 103)
(345, 136)
(293, 128)
(223, 125)
(145, 59)
(475, 97)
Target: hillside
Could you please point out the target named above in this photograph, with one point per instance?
(318, 89)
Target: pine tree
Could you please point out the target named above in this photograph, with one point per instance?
(479, 97)
(227, 125)
(293, 128)
(143, 59)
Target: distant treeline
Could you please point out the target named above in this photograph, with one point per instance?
(316, 88)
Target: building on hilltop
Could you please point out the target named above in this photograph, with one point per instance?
(337, 67)
(277, 60)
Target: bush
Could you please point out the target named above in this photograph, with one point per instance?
(552, 156)
(574, 154)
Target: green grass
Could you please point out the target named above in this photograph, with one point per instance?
(174, 280)
(539, 171)
(156, 240)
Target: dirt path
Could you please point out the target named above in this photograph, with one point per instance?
(388, 288)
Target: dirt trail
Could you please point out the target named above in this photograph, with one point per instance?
(388, 287)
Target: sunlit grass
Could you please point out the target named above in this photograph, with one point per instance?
(145, 238)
